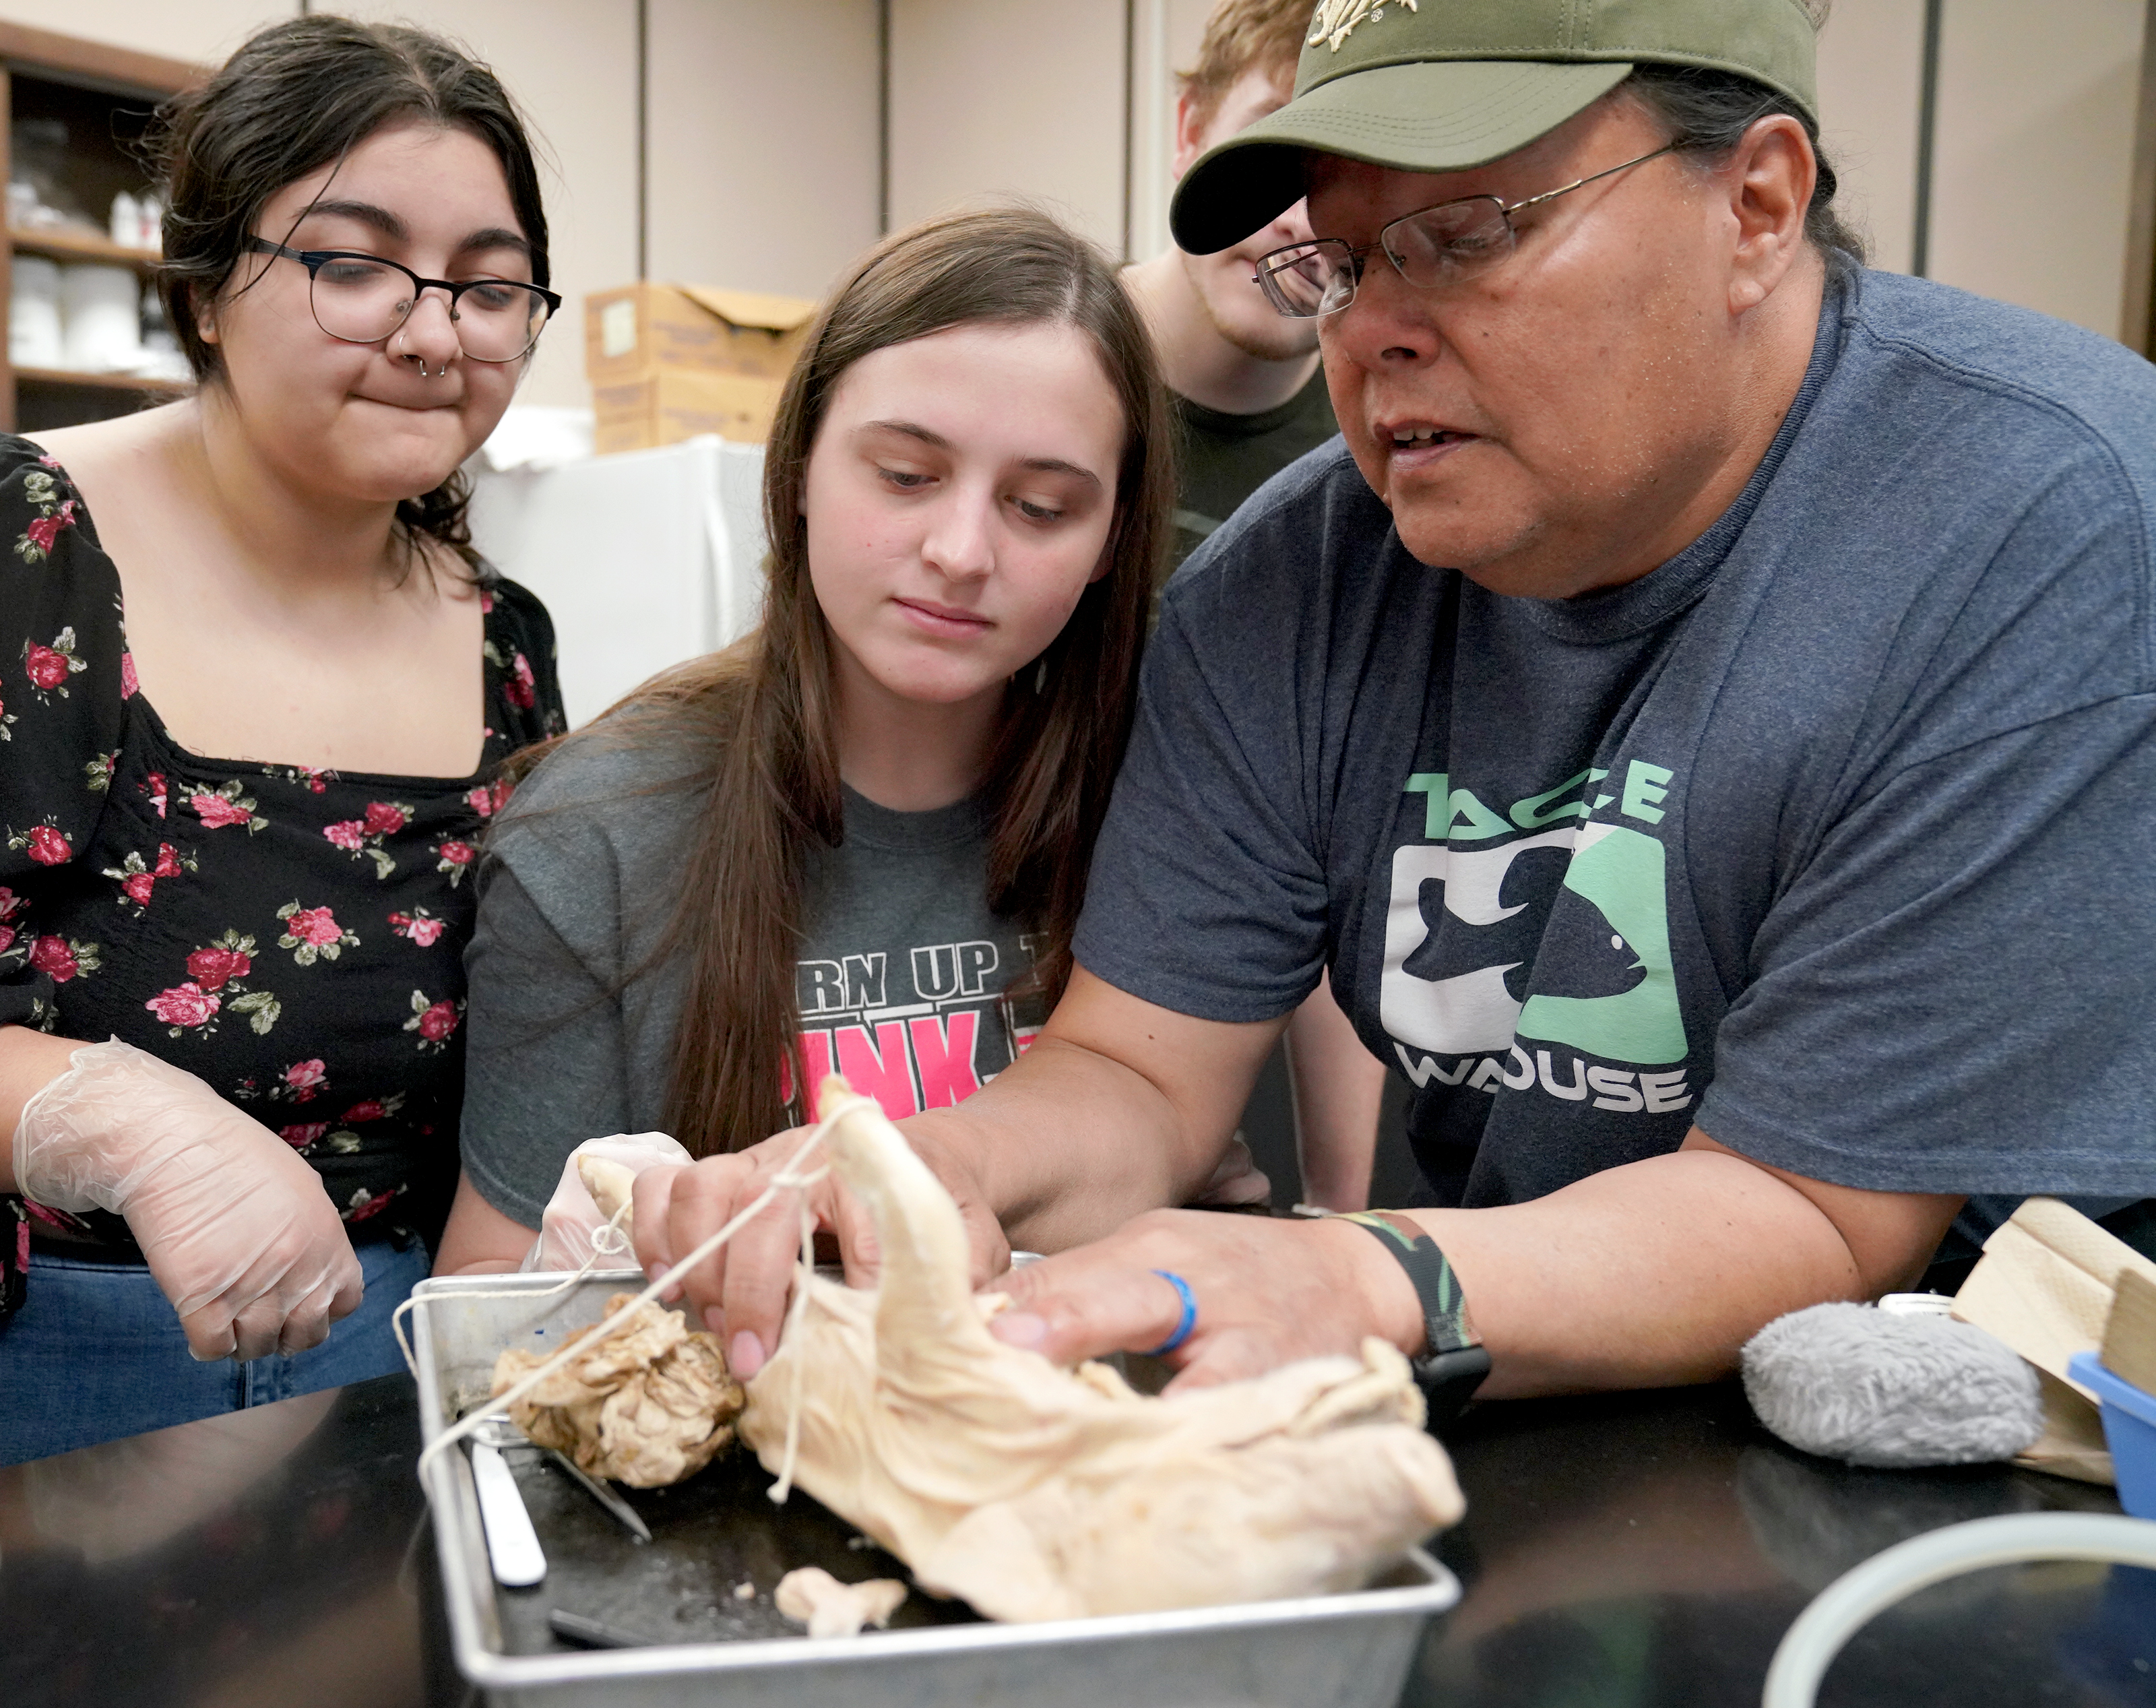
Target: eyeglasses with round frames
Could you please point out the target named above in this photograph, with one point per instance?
(1432, 248)
(362, 299)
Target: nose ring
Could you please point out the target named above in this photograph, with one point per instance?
(414, 356)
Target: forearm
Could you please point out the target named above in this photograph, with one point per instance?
(1338, 1087)
(1646, 1275)
(29, 1061)
(1656, 1273)
(480, 1239)
(1068, 1144)
(1119, 1106)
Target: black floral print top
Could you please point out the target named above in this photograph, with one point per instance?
(293, 937)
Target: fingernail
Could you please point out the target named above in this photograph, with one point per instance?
(745, 1354)
(652, 1271)
(715, 1319)
(1018, 1328)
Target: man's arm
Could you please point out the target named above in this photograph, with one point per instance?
(1658, 1272)
(1650, 1274)
(1119, 1106)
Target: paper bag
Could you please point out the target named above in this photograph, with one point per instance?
(2045, 1287)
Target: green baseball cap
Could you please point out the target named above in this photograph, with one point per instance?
(1440, 85)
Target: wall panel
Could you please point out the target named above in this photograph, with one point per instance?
(1871, 71)
(571, 64)
(2035, 153)
(1009, 97)
(763, 141)
(1166, 39)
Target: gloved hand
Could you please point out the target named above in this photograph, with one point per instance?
(571, 1219)
(237, 1228)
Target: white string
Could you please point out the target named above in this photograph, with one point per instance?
(784, 1486)
(609, 1241)
(788, 1178)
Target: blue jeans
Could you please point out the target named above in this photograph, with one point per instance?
(95, 1353)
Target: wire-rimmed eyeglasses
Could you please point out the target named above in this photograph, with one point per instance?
(362, 299)
(1431, 249)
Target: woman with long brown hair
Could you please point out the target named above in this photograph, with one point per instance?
(858, 840)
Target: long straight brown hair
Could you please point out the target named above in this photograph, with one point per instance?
(759, 719)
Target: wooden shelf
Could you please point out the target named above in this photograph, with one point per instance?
(102, 382)
(43, 52)
(65, 246)
(103, 98)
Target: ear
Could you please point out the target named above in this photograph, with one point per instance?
(204, 310)
(1769, 183)
(1191, 124)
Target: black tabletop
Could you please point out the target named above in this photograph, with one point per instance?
(1617, 1552)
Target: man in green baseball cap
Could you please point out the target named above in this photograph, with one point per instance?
(1444, 85)
(1702, 714)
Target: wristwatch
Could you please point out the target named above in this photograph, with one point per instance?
(1455, 1361)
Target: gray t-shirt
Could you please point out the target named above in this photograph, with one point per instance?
(1831, 835)
(900, 978)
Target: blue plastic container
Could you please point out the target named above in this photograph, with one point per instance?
(2129, 1426)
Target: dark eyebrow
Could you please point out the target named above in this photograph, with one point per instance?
(495, 237)
(1045, 465)
(492, 236)
(366, 213)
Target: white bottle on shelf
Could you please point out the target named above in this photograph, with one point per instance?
(101, 318)
(33, 313)
(127, 225)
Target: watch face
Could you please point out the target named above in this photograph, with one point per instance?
(1448, 1381)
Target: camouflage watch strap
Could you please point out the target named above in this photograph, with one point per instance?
(1454, 1363)
(1444, 1303)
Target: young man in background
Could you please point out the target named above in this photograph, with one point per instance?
(1250, 398)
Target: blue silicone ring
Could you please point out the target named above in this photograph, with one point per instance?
(1189, 1314)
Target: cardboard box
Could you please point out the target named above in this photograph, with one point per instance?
(663, 409)
(643, 329)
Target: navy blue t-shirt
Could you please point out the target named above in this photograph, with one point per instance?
(1831, 835)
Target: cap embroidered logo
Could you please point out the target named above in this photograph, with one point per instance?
(1335, 20)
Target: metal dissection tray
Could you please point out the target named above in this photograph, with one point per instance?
(709, 1644)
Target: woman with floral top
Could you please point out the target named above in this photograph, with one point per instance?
(255, 697)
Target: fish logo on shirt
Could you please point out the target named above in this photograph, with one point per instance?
(1580, 908)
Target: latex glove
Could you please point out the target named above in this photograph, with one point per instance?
(572, 1219)
(238, 1230)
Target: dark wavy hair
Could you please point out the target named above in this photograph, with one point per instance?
(294, 98)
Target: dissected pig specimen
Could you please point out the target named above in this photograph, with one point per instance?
(647, 1405)
(1038, 1493)
(810, 1596)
